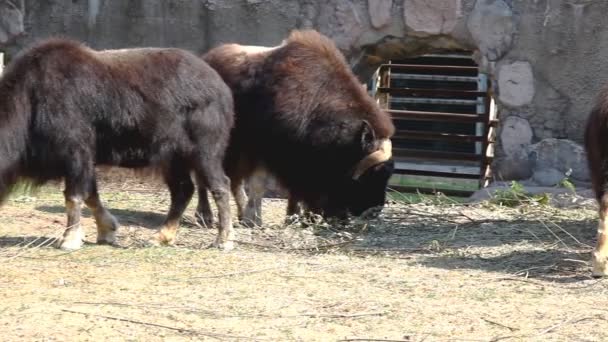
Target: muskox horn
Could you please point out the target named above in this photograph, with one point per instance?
(381, 155)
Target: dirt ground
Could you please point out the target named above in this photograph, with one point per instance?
(431, 271)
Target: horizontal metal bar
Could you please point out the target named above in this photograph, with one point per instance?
(435, 116)
(445, 78)
(427, 100)
(431, 92)
(428, 67)
(424, 135)
(436, 174)
(412, 153)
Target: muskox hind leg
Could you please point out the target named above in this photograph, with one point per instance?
(252, 215)
(181, 189)
(599, 261)
(211, 172)
(107, 225)
(204, 215)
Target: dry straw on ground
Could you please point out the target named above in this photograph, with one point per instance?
(435, 270)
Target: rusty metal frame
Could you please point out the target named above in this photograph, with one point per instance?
(487, 140)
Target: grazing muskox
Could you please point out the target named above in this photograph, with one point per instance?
(65, 108)
(596, 146)
(303, 116)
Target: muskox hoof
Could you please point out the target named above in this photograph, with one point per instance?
(599, 265)
(250, 220)
(109, 238)
(163, 238)
(71, 241)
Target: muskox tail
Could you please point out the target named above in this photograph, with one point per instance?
(596, 145)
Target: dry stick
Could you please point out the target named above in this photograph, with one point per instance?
(24, 250)
(570, 235)
(555, 235)
(327, 246)
(549, 329)
(372, 340)
(355, 315)
(317, 315)
(181, 330)
(499, 324)
(239, 273)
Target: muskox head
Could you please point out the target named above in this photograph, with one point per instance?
(363, 190)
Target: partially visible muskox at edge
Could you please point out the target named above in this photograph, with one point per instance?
(65, 108)
(596, 146)
(302, 115)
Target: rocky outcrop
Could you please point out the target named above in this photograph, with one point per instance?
(516, 84)
(432, 16)
(380, 12)
(492, 26)
(11, 19)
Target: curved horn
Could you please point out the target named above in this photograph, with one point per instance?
(381, 155)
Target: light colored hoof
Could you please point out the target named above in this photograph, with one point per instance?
(599, 265)
(223, 245)
(71, 243)
(163, 238)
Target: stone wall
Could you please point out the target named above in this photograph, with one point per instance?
(545, 57)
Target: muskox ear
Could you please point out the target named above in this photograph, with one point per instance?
(368, 137)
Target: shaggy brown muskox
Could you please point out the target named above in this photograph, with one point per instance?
(596, 146)
(303, 116)
(65, 108)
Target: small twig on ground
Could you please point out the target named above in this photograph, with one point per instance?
(520, 280)
(327, 246)
(555, 235)
(570, 235)
(568, 321)
(354, 315)
(257, 244)
(276, 316)
(239, 273)
(549, 329)
(180, 330)
(407, 339)
(499, 324)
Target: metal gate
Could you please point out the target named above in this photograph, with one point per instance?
(445, 119)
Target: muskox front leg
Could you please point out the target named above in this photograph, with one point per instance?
(211, 172)
(599, 261)
(76, 188)
(107, 225)
(73, 237)
(181, 189)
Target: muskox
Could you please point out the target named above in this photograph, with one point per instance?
(302, 115)
(66, 108)
(596, 146)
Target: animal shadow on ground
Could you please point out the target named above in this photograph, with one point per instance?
(146, 219)
(544, 246)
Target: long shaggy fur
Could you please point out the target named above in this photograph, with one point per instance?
(303, 115)
(596, 143)
(65, 108)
